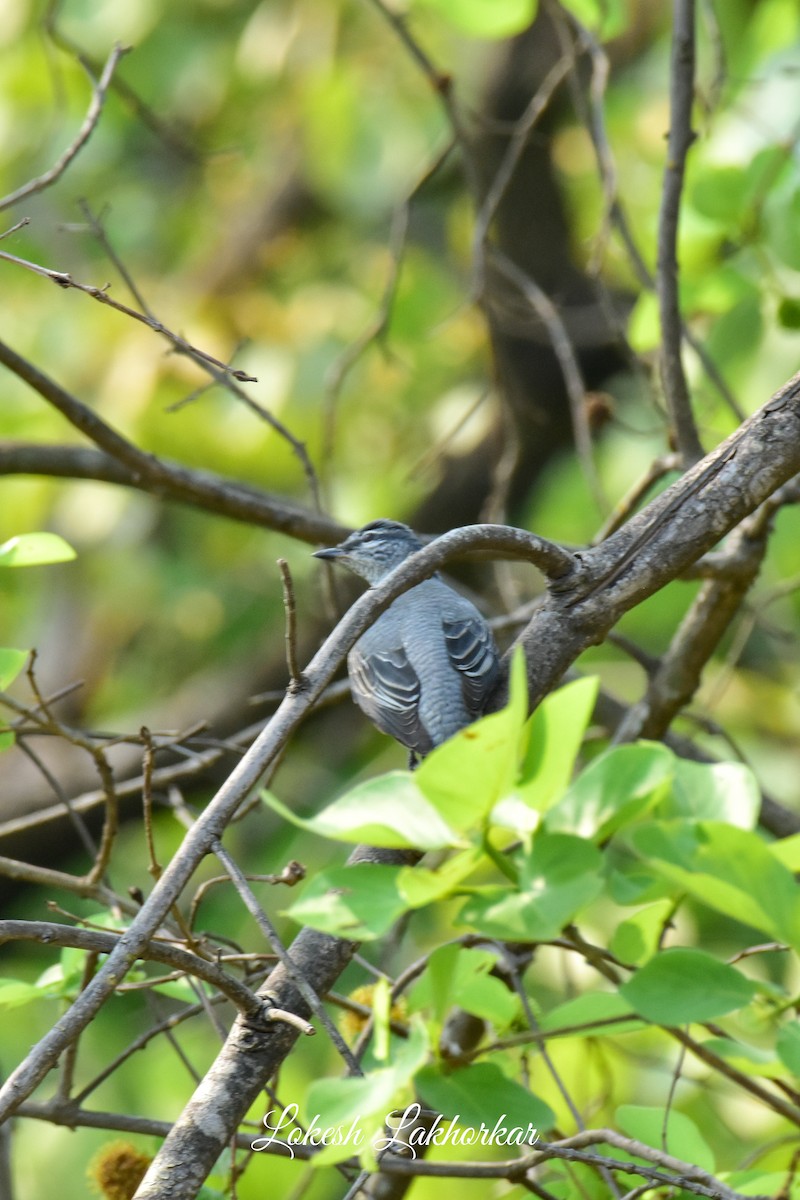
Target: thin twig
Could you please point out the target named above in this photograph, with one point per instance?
(292, 874)
(503, 175)
(101, 294)
(270, 932)
(290, 609)
(148, 762)
(85, 132)
(124, 463)
(681, 136)
(102, 942)
(564, 351)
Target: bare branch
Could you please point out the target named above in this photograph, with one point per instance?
(101, 294)
(125, 463)
(681, 136)
(85, 132)
(564, 351)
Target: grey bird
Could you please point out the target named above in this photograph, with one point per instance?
(423, 670)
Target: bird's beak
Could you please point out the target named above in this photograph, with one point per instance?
(329, 552)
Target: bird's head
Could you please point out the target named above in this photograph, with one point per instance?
(375, 550)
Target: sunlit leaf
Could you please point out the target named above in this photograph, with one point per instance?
(470, 772)
(33, 549)
(11, 663)
(456, 975)
(731, 870)
(557, 878)
(713, 791)
(556, 732)
(344, 1104)
(614, 788)
(388, 810)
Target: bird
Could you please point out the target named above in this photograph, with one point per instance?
(425, 667)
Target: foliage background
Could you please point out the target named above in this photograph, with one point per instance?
(262, 221)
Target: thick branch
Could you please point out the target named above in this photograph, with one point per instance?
(663, 540)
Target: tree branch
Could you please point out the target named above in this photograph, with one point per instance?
(245, 776)
(51, 933)
(680, 139)
(84, 133)
(659, 543)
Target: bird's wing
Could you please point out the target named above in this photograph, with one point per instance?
(386, 687)
(472, 651)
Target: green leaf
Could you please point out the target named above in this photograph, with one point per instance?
(751, 1060)
(636, 938)
(389, 810)
(557, 878)
(484, 18)
(679, 985)
(11, 663)
(359, 902)
(33, 549)
(730, 870)
(422, 885)
(458, 975)
(713, 791)
(556, 731)
(15, 992)
(339, 1103)
(467, 775)
(787, 851)
(616, 787)
(480, 1096)
(588, 1009)
(719, 193)
(683, 1138)
(788, 1046)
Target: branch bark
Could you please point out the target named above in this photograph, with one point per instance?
(662, 541)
